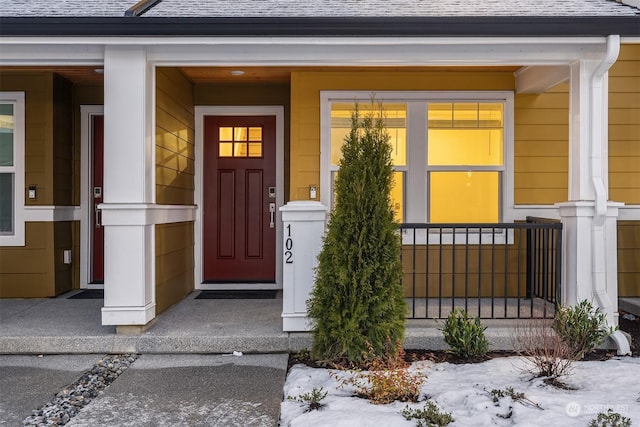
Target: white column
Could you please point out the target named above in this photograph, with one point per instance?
(589, 218)
(128, 187)
(304, 226)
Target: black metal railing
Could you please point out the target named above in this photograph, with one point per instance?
(496, 271)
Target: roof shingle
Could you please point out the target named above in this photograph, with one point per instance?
(319, 8)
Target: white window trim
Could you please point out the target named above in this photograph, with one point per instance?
(18, 170)
(417, 169)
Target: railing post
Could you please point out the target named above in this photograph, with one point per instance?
(303, 227)
(530, 262)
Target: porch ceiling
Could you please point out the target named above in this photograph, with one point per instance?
(86, 75)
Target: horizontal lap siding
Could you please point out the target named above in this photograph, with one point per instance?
(541, 147)
(174, 263)
(175, 138)
(175, 175)
(624, 127)
(624, 161)
(30, 271)
(629, 258)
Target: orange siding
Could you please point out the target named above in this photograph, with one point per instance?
(541, 147)
(175, 137)
(174, 263)
(37, 269)
(629, 258)
(175, 174)
(624, 126)
(28, 271)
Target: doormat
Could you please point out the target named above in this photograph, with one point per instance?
(89, 294)
(240, 294)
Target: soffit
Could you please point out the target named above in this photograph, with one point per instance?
(252, 75)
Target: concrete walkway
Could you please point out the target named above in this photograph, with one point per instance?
(157, 390)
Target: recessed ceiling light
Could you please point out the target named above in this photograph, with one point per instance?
(237, 73)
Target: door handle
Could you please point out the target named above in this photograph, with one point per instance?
(272, 211)
(97, 220)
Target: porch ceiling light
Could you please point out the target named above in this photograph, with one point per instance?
(98, 70)
(237, 73)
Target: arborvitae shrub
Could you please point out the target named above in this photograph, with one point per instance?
(358, 300)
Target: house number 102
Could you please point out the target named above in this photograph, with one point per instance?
(288, 245)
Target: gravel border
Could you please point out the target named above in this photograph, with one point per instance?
(71, 399)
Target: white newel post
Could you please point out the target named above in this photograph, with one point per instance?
(303, 227)
(128, 187)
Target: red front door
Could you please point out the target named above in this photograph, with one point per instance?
(239, 179)
(97, 253)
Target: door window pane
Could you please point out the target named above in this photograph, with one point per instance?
(234, 142)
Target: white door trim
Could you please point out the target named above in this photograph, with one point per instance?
(87, 112)
(270, 110)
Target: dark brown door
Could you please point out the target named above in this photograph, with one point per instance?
(239, 179)
(97, 253)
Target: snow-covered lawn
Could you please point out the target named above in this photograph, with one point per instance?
(465, 391)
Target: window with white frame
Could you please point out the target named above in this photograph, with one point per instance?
(451, 152)
(11, 168)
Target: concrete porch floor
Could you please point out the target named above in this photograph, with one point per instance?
(201, 326)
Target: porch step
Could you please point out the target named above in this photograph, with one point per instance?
(429, 338)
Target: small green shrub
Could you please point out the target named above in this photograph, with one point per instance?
(582, 327)
(430, 416)
(610, 419)
(312, 399)
(465, 336)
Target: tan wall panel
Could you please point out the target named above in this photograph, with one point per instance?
(534, 180)
(472, 265)
(63, 143)
(541, 146)
(472, 270)
(624, 99)
(174, 263)
(175, 138)
(38, 88)
(527, 196)
(28, 271)
(629, 258)
(624, 180)
(535, 132)
(63, 235)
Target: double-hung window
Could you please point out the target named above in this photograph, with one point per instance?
(11, 168)
(451, 152)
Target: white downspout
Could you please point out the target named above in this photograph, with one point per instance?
(598, 250)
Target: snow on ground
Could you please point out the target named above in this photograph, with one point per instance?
(465, 391)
